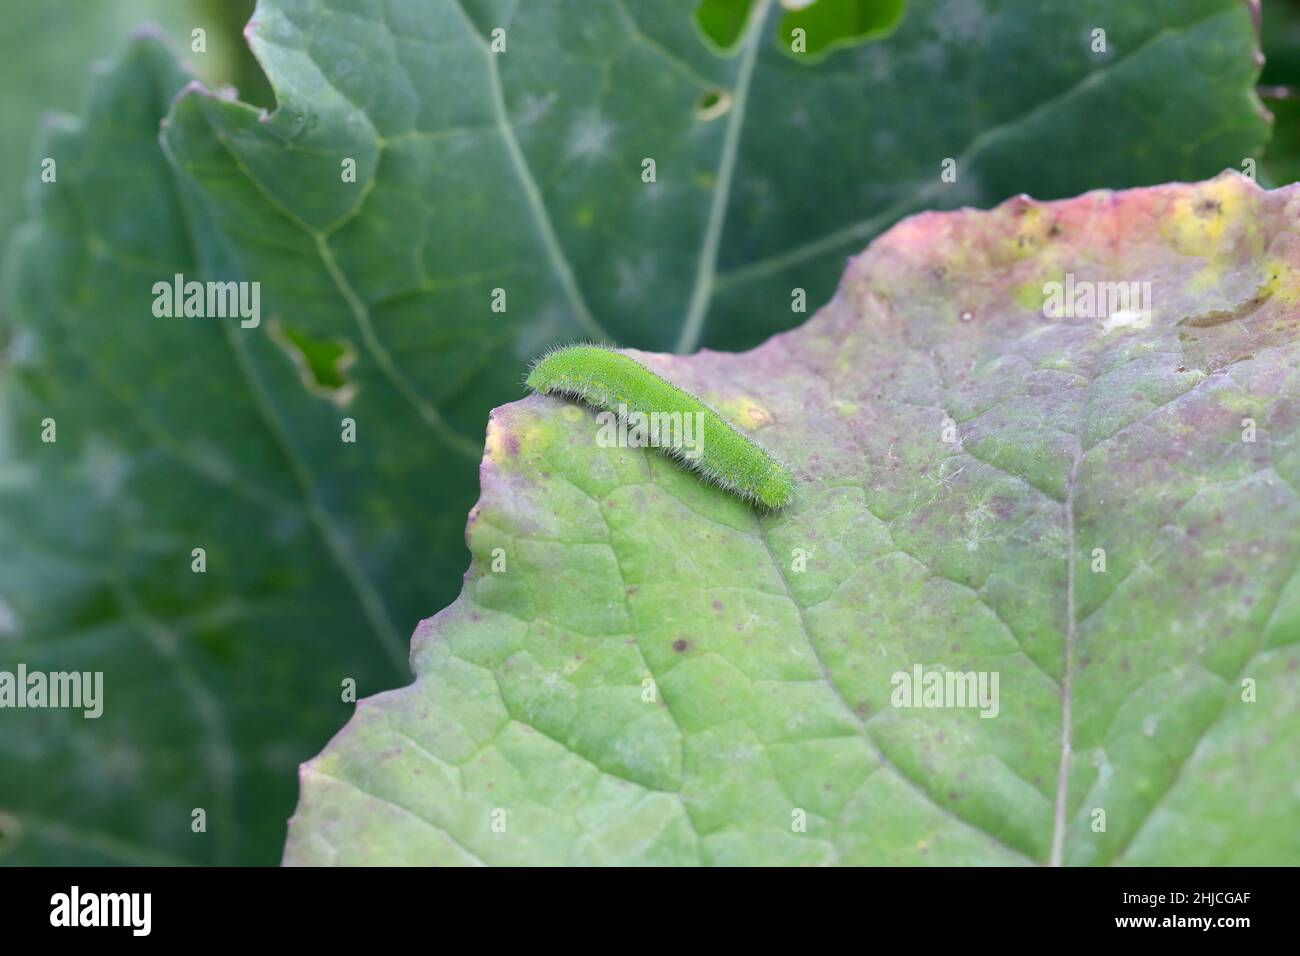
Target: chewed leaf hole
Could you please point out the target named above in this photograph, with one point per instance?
(322, 363)
(722, 22)
(812, 29)
(712, 104)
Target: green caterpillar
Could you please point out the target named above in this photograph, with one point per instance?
(611, 381)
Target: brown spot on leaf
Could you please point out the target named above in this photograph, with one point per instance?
(680, 645)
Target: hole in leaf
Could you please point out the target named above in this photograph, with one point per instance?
(321, 363)
(723, 21)
(712, 104)
(810, 31)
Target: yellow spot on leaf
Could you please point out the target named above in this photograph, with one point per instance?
(1202, 218)
(494, 445)
(1282, 282)
(1030, 296)
(746, 413)
(1033, 229)
(507, 443)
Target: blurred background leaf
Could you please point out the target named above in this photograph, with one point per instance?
(46, 47)
(1280, 88)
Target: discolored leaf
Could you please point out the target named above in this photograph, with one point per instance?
(966, 453)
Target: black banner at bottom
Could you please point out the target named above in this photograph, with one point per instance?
(215, 906)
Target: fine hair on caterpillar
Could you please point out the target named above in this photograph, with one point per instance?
(649, 406)
(681, 434)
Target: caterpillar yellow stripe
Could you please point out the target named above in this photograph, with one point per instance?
(609, 380)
